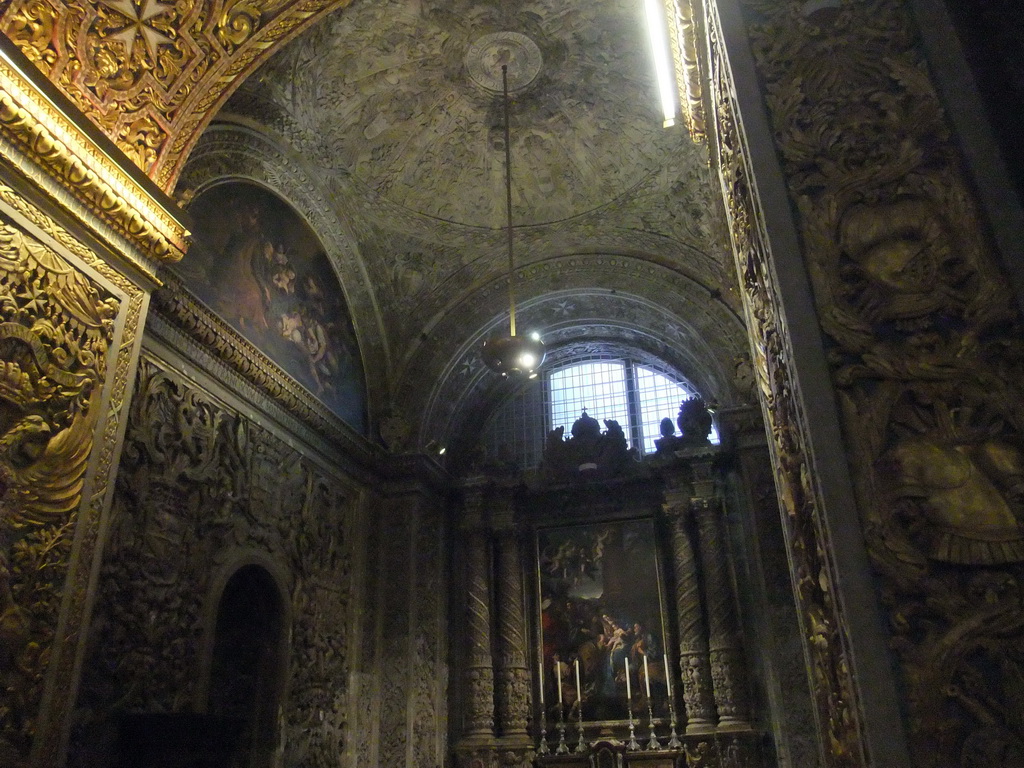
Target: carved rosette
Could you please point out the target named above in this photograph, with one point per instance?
(513, 696)
(694, 664)
(727, 669)
(150, 77)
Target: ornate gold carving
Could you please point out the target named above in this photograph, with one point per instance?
(926, 354)
(30, 121)
(835, 695)
(150, 72)
(686, 32)
(51, 722)
(55, 330)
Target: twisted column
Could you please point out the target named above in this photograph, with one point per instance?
(480, 667)
(513, 674)
(726, 655)
(694, 660)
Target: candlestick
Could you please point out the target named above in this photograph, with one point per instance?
(579, 695)
(580, 746)
(629, 688)
(558, 672)
(673, 742)
(647, 677)
(632, 743)
(668, 678)
(540, 668)
(652, 743)
(562, 748)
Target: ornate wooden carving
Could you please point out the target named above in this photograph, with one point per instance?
(151, 78)
(926, 356)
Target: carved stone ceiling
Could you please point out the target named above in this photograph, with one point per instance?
(391, 107)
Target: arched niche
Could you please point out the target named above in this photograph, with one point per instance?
(245, 679)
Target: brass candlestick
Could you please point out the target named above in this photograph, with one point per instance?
(633, 744)
(652, 743)
(580, 748)
(562, 748)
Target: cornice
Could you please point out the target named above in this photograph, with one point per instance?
(83, 171)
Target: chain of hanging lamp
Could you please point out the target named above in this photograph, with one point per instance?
(508, 206)
(512, 354)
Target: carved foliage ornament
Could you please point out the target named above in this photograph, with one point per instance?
(196, 483)
(52, 140)
(835, 698)
(56, 327)
(927, 357)
(150, 72)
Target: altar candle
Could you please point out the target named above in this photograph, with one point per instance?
(668, 677)
(540, 667)
(647, 677)
(629, 688)
(558, 671)
(579, 696)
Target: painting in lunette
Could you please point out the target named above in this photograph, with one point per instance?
(260, 267)
(601, 612)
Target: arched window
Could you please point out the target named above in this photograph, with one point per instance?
(637, 395)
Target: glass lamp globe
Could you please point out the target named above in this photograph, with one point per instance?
(514, 355)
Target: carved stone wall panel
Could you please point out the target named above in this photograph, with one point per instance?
(398, 573)
(197, 482)
(429, 721)
(837, 707)
(150, 78)
(68, 325)
(926, 356)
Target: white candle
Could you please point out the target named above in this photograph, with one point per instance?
(579, 696)
(668, 678)
(629, 688)
(647, 677)
(540, 666)
(558, 671)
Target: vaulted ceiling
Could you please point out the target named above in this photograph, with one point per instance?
(394, 108)
(381, 124)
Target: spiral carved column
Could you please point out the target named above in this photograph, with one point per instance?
(694, 659)
(727, 666)
(513, 674)
(480, 669)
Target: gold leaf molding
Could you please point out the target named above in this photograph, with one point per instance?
(41, 128)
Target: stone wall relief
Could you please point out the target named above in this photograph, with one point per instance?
(924, 345)
(198, 483)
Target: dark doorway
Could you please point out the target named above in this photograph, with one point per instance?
(245, 671)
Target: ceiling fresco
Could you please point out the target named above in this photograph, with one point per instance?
(391, 111)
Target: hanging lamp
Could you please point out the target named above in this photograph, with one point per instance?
(512, 355)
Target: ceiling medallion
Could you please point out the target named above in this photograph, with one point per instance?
(512, 354)
(490, 53)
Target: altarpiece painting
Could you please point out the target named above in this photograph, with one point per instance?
(601, 618)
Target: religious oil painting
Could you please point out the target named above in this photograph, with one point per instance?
(256, 263)
(602, 628)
